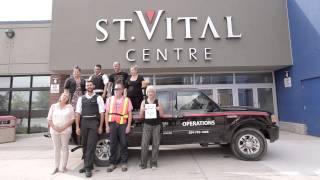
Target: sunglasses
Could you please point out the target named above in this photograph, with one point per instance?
(117, 89)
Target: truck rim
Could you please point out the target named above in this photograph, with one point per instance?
(249, 144)
(103, 149)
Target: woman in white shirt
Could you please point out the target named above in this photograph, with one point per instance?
(60, 119)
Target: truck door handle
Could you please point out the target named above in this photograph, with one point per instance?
(179, 116)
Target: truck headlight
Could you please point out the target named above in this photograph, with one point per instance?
(274, 119)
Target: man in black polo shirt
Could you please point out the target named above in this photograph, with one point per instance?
(100, 81)
(91, 108)
(117, 77)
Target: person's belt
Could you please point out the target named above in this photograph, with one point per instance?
(98, 90)
(93, 116)
(125, 115)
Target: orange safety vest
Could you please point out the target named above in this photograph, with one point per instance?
(118, 115)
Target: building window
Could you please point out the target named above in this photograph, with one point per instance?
(174, 79)
(20, 109)
(20, 100)
(5, 82)
(225, 97)
(149, 78)
(21, 82)
(41, 81)
(245, 97)
(4, 102)
(226, 78)
(254, 78)
(15, 94)
(39, 111)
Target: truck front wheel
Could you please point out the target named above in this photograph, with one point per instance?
(102, 153)
(249, 144)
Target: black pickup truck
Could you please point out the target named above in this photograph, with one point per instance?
(192, 117)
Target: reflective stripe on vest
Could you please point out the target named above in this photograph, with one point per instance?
(124, 116)
(111, 104)
(120, 116)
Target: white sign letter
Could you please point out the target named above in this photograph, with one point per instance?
(169, 28)
(213, 30)
(145, 55)
(163, 56)
(192, 52)
(102, 30)
(129, 52)
(187, 25)
(149, 33)
(230, 28)
(207, 54)
(122, 27)
(178, 52)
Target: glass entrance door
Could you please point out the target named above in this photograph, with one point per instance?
(225, 97)
(265, 99)
(245, 96)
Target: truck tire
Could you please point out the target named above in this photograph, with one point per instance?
(249, 144)
(102, 152)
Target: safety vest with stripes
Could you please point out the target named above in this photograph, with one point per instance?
(119, 115)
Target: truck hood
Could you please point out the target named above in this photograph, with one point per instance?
(241, 108)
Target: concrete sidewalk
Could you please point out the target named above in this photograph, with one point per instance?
(292, 157)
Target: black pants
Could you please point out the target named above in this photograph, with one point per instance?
(89, 140)
(118, 136)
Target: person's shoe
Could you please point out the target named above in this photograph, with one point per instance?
(111, 168)
(47, 135)
(88, 173)
(55, 171)
(64, 170)
(124, 168)
(154, 166)
(82, 170)
(142, 166)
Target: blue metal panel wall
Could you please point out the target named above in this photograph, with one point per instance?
(304, 24)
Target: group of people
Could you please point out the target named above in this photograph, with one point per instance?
(104, 100)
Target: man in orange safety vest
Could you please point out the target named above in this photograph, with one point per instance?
(118, 119)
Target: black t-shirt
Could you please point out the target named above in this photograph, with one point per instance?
(156, 121)
(120, 76)
(71, 85)
(134, 87)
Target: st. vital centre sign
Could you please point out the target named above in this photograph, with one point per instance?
(149, 22)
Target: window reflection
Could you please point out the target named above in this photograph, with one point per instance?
(226, 78)
(40, 100)
(164, 99)
(149, 78)
(20, 100)
(225, 97)
(21, 81)
(245, 97)
(174, 79)
(254, 78)
(4, 82)
(4, 102)
(195, 101)
(20, 109)
(41, 81)
(265, 98)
